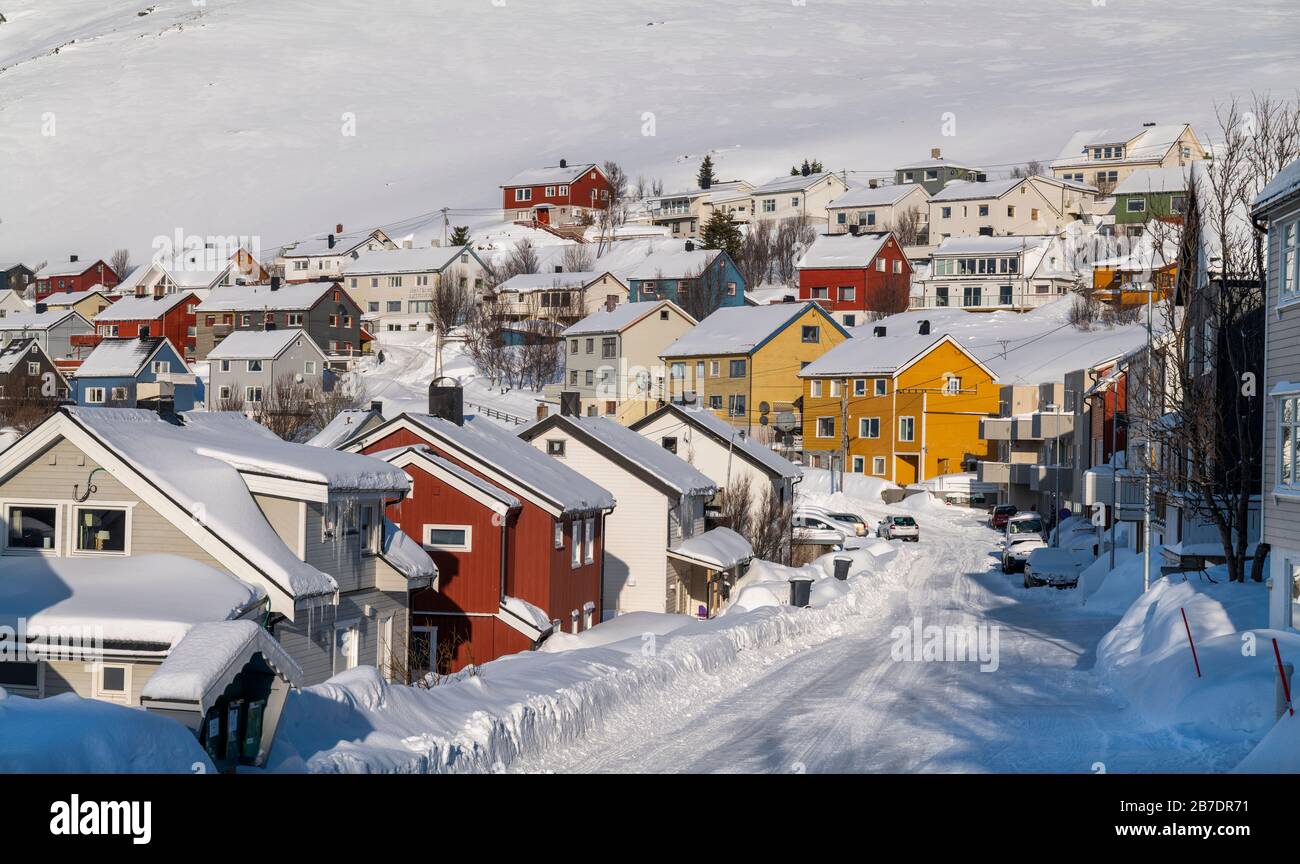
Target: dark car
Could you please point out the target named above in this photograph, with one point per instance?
(999, 515)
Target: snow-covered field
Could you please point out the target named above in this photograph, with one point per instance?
(279, 119)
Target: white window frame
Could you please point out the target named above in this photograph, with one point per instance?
(559, 534)
(1286, 443)
(253, 368)
(97, 690)
(60, 518)
(881, 387)
(466, 546)
(865, 427)
(818, 429)
(859, 465)
(92, 392)
(73, 552)
(575, 558)
(878, 466)
(37, 692)
(1288, 247)
(911, 422)
(589, 549)
(248, 395)
(354, 657)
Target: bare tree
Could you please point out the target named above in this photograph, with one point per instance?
(120, 263)
(450, 304)
(1032, 168)
(755, 262)
(909, 227)
(702, 292)
(794, 234)
(577, 258)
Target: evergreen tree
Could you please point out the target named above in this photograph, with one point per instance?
(719, 233)
(705, 177)
(806, 169)
(460, 235)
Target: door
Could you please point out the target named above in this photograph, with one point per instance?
(422, 652)
(384, 651)
(346, 643)
(543, 215)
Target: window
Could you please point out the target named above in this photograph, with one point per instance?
(118, 394)
(223, 392)
(715, 403)
(859, 465)
(898, 265)
(881, 385)
(945, 212)
(31, 527)
(573, 346)
(254, 365)
(815, 388)
(111, 682)
(393, 305)
(160, 367)
(559, 535)
(590, 377)
(33, 368)
(608, 347)
(868, 427)
(769, 205)
(984, 210)
(820, 293)
(451, 538)
(669, 443)
(736, 369)
(906, 428)
(309, 367)
(22, 678)
(94, 395)
(878, 465)
(847, 293)
(573, 377)
(736, 405)
(880, 265)
(550, 191)
(860, 387)
(523, 194)
(931, 174)
(589, 555)
(1136, 205)
(575, 559)
(555, 448)
(347, 638)
(591, 346)
(370, 530)
(253, 394)
(825, 427)
(100, 529)
(1288, 273)
(293, 319)
(835, 387)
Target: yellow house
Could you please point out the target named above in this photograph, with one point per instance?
(904, 408)
(88, 303)
(743, 362)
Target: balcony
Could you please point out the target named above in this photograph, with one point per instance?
(1098, 488)
(987, 301)
(993, 472)
(85, 340)
(1045, 479)
(995, 429)
(1022, 473)
(1045, 425)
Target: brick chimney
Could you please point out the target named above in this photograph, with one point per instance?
(447, 401)
(934, 153)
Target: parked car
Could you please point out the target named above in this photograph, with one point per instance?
(899, 528)
(815, 529)
(1024, 534)
(858, 524)
(850, 525)
(1000, 513)
(1055, 566)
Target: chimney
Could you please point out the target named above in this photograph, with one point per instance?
(878, 330)
(570, 403)
(275, 283)
(934, 153)
(338, 229)
(981, 177)
(690, 246)
(611, 302)
(923, 328)
(564, 163)
(41, 307)
(873, 183)
(447, 401)
(331, 241)
(1148, 125)
(377, 406)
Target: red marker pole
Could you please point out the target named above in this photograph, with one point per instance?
(1286, 685)
(1188, 628)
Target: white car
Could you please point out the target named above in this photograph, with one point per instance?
(1055, 566)
(850, 526)
(815, 529)
(899, 528)
(1024, 534)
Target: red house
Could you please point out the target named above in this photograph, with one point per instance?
(517, 535)
(74, 276)
(170, 315)
(856, 277)
(561, 194)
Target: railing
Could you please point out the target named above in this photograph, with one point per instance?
(85, 340)
(1022, 300)
(498, 415)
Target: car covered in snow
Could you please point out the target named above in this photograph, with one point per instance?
(899, 528)
(999, 515)
(809, 528)
(1024, 534)
(850, 523)
(1054, 566)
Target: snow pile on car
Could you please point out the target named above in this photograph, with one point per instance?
(524, 704)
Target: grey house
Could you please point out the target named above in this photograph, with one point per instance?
(55, 330)
(328, 314)
(248, 364)
(935, 173)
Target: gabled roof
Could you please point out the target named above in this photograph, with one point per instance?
(123, 358)
(875, 196)
(259, 344)
(982, 245)
(447, 470)
(550, 175)
(835, 251)
(146, 308)
(970, 190)
(526, 282)
(935, 163)
(882, 355)
(1142, 143)
(347, 424)
(70, 268)
(623, 316)
(642, 457)
(16, 352)
(41, 320)
(292, 296)
(764, 458)
(63, 299)
(742, 329)
(426, 259)
(674, 264)
(503, 458)
(794, 183)
(1143, 181)
(1284, 185)
(319, 245)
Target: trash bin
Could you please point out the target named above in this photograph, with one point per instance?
(842, 568)
(801, 593)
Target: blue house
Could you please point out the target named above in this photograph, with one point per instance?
(698, 280)
(145, 372)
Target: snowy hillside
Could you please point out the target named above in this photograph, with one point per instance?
(233, 117)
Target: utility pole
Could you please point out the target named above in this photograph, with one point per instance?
(1146, 467)
(444, 226)
(1114, 468)
(844, 429)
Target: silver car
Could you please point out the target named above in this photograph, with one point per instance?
(899, 528)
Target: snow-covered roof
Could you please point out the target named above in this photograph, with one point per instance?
(935, 163)
(1285, 184)
(982, 245)
(516, 611)
(619, 443)
(405, 555)
(141, 599)
(67, 268)
(346, 424)
(730, 436)
(17, 351)
(526, 282)
(39, 320)
(970, 190)
(551, 174)
(205, 662)
(147, 308)
(60, 299)
(120, 358)
(843, 250)
(257, 344)
(198, 465)
(467, 477)
(291, 296)
(792, 183)
(870, 355)
(1143, 143)
(319, 244)
(623, 316)
(874, 196)
(735, 330)
(485, 443)
(1147, 180)
(427, 259)
(718, 549)
(674, 264)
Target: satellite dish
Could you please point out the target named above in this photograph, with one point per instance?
(762, 420)
(785, 421)
(764, 408)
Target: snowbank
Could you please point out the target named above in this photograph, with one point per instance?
(923, 502)
(767, 584)
(1147, 659)
(1112, 592)
(524, 704)
(817, 481)
(68, 734)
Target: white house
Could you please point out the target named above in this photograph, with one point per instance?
(987, 273)
(798, 196)
(325, 255)
(877, 208)
(1019, 205)
(394, 287)
(1105, 157)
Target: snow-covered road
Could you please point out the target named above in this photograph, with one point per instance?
(847, 705)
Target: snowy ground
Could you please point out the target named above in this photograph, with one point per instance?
(847, 705)
(268, 134)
